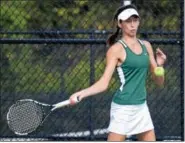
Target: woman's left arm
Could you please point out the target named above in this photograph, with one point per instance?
(158, 62)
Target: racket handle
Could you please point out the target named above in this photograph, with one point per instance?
(61, 104)
(64, 103)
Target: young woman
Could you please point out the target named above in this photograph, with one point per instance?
(131, 57)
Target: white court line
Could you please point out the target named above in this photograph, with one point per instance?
(82, 133)
(21, 139)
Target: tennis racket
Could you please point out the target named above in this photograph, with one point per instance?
(26, 115)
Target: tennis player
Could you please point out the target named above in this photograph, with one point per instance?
(132, 58)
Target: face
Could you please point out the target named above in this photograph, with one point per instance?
(130, 26)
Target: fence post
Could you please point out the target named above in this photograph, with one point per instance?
(92, 80)
(182, 65)
(0, 99)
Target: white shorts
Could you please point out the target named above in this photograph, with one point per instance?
(130, 119)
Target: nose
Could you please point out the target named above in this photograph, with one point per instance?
(132, 23)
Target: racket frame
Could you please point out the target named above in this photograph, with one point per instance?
(53, 107)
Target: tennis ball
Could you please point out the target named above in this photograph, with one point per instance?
(159, 71)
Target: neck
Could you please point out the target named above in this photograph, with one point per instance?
(130, 40)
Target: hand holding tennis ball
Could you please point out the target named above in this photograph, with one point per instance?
(159, 71)
(160, 58)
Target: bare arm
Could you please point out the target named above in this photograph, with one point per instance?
(112, 57)
(160, 60)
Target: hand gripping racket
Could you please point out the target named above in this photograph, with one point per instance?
(27, 115)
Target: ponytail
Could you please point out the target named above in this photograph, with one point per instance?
(111, 40)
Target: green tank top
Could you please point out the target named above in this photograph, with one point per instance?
(132, 74)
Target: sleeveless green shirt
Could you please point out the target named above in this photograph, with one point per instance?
(132, 74)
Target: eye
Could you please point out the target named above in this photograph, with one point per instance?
(129, 20)
(135, 19)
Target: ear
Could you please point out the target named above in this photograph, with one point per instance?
(119, 24)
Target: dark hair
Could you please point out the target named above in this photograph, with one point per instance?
(112, 38)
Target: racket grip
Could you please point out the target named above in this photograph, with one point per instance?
(64, 103)
(61, 104)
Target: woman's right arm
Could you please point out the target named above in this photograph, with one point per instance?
(112, 58)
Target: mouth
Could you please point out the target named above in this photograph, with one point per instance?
(133, 30)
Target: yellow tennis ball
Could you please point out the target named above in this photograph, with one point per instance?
(159, 71)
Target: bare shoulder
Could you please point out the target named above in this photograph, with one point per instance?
(148, 46)
(115, 49)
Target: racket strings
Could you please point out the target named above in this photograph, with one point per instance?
(24, 117)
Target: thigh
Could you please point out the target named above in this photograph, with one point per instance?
(115, 137)
(147, 136)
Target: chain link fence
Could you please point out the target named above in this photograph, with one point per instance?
(51, 49)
